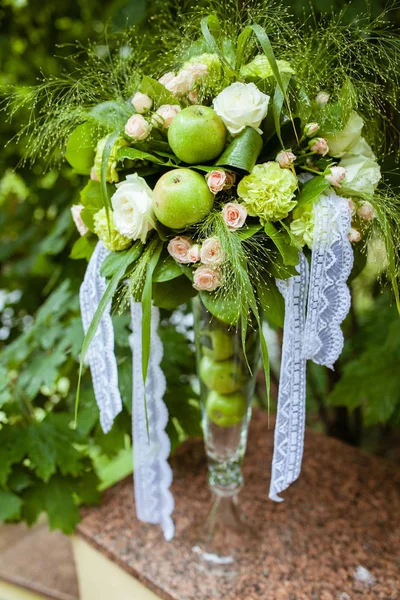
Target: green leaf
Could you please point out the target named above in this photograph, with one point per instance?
(248, 231)
(167, 268)
(132, 254)
(211, 21)
(226, 308)
(243, 151)
(10, 505)
(112, 115)
(83, 247)
(80, 148)
(312, 190)
(171, 294)
(112, 263)
(281, 239)
(271, 301)
(277, 104)
(91, 195)
(135, 154)
(110, 141)
(242, 44)
(157, 91)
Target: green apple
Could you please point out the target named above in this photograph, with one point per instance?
(223, 377)
(226, 411)
(222, 345)
(181, 198)
(197, 134)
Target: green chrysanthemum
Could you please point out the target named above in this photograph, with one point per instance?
(302, 225)
(111, 172)
(268, 192)
(111, 238)
(259, 68)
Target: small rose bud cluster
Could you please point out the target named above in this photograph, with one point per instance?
(141, 102)
(319, 146)
(183, 83)
(218, 180)
(184, 250)
(285, 159)
(207, 276)
(164, 115)
(137, 128)
(336, 176)
(311, 129)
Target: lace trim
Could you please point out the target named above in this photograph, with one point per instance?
(101, 357)
(329, 297)
(290, 422)
(152, 473)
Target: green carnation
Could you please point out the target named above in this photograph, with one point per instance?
(111, 238)
(302, 225)
(268, 192)
(259, 68)
(111, 171)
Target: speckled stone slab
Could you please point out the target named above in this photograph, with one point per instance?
(336, 536)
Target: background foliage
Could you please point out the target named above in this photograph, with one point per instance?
(46, 464)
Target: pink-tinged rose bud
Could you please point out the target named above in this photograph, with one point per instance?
(166, 78)
(352, 207)
(322, 98)
(230, 180)
(167, 112)
(234, 215)
(184, 82)
(336, 176)
(141, 102)
(194, 253)
(193, 97)
(211, 252)
(319, 146)
(354, 236)
(216, 180)
(137, 128)
(367, 211)
(285, 159)
(311, 129)
(76, 210)
(207, 279)
(179, 248)
(93, 174)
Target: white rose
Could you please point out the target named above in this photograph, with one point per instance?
(362, 147)
(241, 105)
(362, 176)
(133, 208)
(339, 143)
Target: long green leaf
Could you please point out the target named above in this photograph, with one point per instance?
(241, 46)
(283, 242)
(208, 36)
(312, 190)
(111, 138)
(157, 91)
(277, 104)
(132, 255)
(243, 151)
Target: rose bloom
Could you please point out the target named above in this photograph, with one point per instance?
(234, 215)
(179, 248)
(285, 159)
(193, 97)
(93, 174)
(166, 78)
(241, 105)
(194, 253)
(141, 102)
(367, 211)
(354, 235)
(352, 206)
(137, 128)
(319, 146)
(336, 176)
(167, 112)
(216, 180)
(184, 82)
(230, 180)
(311, 129)
(133, 208)
(322, 98)
(76, 210)
(211, 252)
(206, 278)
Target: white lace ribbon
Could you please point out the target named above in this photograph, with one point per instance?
(151, 448)
(290, 420)
(100, 356)
(329, 296)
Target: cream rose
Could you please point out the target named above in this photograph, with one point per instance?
(336, 176)
(133, 208)
(341, 142)
(141, 102)
(137, 128)
(322, 98)
(211, 252)
(241, 105)
(354, 236)
(234, 215)
(285, 158)
(76, 210)
(362, 176)
(311, 129)
(184, 82)
(207, 279)
(179, 248)
(194, 253)
(216, 180)
(366, 211)
(167, 112)
(319, 146)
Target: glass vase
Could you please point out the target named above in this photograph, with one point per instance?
(227, 367)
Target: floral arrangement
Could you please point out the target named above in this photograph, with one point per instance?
(213, 177)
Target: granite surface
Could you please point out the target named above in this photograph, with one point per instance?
(39, 560)
(336, 536)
